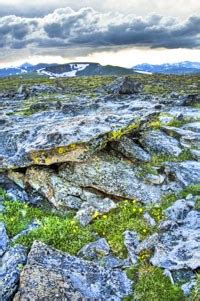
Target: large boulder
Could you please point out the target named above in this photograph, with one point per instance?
(53, 275)
(124, 85)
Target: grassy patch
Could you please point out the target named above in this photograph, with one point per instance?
(158, 160)
(152, 285)
(61, 232)
(128, 216)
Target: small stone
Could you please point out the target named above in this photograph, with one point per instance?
(187, 287)
(95, 249)
(131, 242)
(150, 220)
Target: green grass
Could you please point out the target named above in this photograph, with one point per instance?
(157, 161)
(61, 232)
(152, 285)
(66, 234)
(128, 216)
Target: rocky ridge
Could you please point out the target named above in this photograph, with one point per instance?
(90, 155)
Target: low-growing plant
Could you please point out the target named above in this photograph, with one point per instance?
(128, 216)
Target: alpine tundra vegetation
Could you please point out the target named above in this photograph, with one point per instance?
(100, 189)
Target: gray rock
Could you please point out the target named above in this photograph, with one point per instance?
(4, 241)
(58, 192)
(11, 266)
(95, 249)
(179, 210)
(194, 126)
(148, 244)
(179, 248)
(124, 85)
(167, 225)
(186, 173)
(131, 242)
(149, 219)
(187, 287)
(91, 207)
(159, 142)
(16, 194)
(111, 176)
(53, 136)
(131, 150)
(112, 262)
(54, 275)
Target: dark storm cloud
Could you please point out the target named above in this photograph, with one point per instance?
(87, 27)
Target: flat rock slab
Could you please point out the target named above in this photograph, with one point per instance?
(70, 135)
(53, 275)
(111, 176)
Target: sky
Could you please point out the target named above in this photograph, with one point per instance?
(117, 32)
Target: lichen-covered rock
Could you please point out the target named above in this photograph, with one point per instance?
(179, 210)
(61, 194)
(11, 266)
(131, 150)
(131, 241)
(159, 142)
(53, 275)
(55, 136)
(111, 176)
(179, 248)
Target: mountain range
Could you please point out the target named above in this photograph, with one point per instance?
(176, 68)
(89, 69)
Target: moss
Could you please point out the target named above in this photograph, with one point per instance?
(117, 134)
(51, 156)
(192, 189)
(155, 124)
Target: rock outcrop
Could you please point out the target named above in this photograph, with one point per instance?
(53, 275)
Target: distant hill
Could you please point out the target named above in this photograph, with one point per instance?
(177, 68)
(90, 69)
(84, 69)
(66, 70)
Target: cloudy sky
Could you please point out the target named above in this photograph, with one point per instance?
(118, 32)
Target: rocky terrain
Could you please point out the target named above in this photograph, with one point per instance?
(100, 188)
